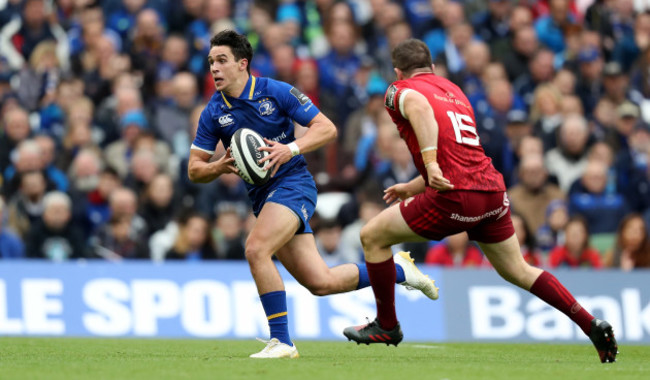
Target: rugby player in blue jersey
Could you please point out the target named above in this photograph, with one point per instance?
(285, 204)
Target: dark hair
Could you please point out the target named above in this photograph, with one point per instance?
(642, 254)
(411, 54)
(238, 44)
(585, 225)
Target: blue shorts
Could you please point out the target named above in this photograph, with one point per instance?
(296, 191)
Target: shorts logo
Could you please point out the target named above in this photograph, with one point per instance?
(406, 202)
(271, 194)
(305, 214)
(266, 108)
(226, 120)
(506, 201)
(389, 100)
(302, 98)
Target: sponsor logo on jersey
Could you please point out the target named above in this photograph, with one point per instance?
(226, 120)
(266, 108)
(302, 98)
(389, 101)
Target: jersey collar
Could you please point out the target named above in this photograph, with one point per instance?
(249, 89)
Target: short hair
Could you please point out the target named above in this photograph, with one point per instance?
(238, 44)
(411, 54)
(56, 197)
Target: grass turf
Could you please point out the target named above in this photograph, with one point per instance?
(133, 359)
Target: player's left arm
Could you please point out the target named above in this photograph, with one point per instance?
(320, 131)
(416, 108)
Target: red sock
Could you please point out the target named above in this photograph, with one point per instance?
(550, 290)
(382, 279)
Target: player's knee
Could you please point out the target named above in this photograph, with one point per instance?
(369, 238)
(255, 251)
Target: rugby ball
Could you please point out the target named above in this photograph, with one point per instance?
(243, 148)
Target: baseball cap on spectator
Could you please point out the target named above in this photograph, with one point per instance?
(376, 85)
(136, 118)
(628, 109)
(588, 55)
(517, 117)
(612, 69)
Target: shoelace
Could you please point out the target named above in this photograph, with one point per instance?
(269, 343)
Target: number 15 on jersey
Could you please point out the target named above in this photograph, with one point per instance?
(459, 121)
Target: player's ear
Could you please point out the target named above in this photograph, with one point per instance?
(398, 73)
(243, 64)
(433, 67)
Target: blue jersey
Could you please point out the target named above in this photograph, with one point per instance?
(266, 106)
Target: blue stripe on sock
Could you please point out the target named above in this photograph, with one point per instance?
(276, 303)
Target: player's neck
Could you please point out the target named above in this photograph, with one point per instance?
(237, 87)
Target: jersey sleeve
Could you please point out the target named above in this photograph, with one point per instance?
(296, 104)
(205, 140)
(394, 98)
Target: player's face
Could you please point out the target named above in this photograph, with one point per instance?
(225, 69)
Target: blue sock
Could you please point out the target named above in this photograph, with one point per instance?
(364, 280)
(275, 307)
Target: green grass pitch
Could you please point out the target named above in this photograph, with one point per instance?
(133, 359)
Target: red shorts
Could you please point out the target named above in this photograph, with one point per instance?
(484, 215)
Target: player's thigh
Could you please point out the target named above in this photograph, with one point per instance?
(388, 228)
(506, 258)
(275, 226)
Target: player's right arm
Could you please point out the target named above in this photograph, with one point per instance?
(416, 109)
(199, 167)
(201, 170)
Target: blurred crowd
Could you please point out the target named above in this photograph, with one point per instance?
(99, 103)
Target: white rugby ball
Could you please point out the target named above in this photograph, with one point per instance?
(243, 148)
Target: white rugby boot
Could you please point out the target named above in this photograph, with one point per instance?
(414, 278)
(275, 349)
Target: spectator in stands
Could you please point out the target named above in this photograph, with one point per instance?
(632, 249)
(493, 26)
(158, 203)
(40, 78)
(228, 234)
(449, 13)
(193, 242)
(26, 206)
(283, 58)
(367, 204)
(526, 241)
(54, 237)
(524, 46)
(455, 251)
(575, 252)
(337, 71)
(589, 87)
(626, 119)
(329, 244)
(84, 174)
(517, 129)
(306, 72)
(171, 118)
(145, 47)
(477, 56)
(123, 203)
(11, 246)
(551, 233)
(115, 241)
(15, 123)
(568, 160)
(29, 157)
(80, 133)
(546, 114)
(19, 37)
(48, 153)
(226, 192)
(532, 195)
(143, 169)
(400, 168)
(565, 81)
(615, 84)
(588, 197)
(122, 20)
(521, 17)
(550, 27)
(635, 164)
(540, 70)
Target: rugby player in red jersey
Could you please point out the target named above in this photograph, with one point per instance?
(458, 190)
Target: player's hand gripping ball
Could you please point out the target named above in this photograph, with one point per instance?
(243, 148)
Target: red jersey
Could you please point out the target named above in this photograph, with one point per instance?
(460, 155)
